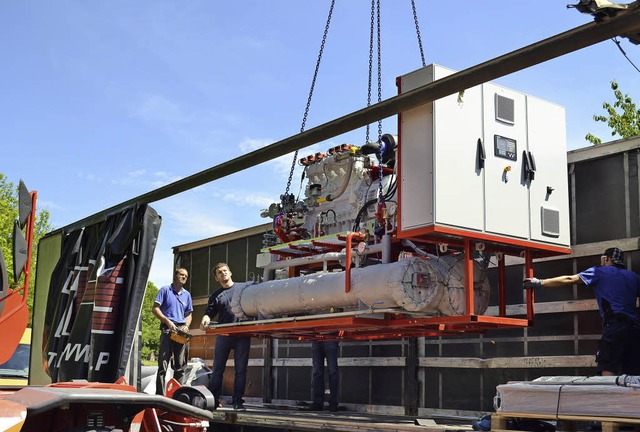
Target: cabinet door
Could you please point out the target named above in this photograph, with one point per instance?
(506, 194)
(416, 156)
(416, 168)
(548, 191)
(459, 196)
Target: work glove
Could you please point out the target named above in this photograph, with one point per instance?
(531, 283)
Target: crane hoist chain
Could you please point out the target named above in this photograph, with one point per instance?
(375, 16)
(306, 110)
(415, 20)
(379, 45)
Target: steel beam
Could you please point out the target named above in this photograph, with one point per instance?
(626, 22)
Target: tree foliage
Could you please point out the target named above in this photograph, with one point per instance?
(8, 214)
(623, 117)
(150, 324)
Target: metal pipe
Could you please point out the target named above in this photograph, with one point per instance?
(347, 270)
(433, 286)
(386, 248)
(626, 22)
(293, 262)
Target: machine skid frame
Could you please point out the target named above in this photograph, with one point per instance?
(377, 324)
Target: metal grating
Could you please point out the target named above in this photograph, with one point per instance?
(505, 109)
(550, 222)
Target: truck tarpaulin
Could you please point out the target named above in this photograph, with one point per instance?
(95, 295)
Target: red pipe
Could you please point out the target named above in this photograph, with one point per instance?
(502, 295)
(528, 266)
(468, 277)
(347, 278)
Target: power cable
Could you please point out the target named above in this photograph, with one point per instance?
(617, 42)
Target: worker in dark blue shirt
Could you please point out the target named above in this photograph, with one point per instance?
(220, 305)
(616, 290)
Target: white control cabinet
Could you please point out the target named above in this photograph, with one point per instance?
(491, 160)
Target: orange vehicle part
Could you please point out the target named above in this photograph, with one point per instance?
(15, 313)
(82, 405)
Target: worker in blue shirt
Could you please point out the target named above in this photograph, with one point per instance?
(616, 290)
(173, 307)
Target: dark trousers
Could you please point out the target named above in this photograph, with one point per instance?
(619, 348)
(320, 351)
(170, 350)
(222, 349)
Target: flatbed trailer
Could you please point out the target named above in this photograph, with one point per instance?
(276, 417)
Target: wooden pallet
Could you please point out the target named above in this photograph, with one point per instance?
(568, 423)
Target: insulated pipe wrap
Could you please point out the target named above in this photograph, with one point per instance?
(377, 286)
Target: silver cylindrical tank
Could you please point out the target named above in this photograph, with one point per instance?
(433, 286)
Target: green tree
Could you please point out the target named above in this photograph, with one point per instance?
(150, 324)
(8, 214)
(622, 117)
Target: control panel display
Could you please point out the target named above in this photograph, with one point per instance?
(505, 147)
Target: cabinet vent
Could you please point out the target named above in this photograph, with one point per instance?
(505, 109)
(550, 222)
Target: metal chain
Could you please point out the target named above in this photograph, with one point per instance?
(380, 194)
(379, 68)
(415, 20)
(306, 110)
(373, 6)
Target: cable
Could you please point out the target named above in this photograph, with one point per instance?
(617, 42)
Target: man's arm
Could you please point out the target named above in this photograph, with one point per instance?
(210, 312)
(205, 321)
(187, 320)
(554, 282)
(163, 319)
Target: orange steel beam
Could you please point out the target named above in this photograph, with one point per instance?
(433, 234)
(502, 295)
(528, 267)
(468, 275)
(359, 328)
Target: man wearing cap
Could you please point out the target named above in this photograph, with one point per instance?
(616, 290)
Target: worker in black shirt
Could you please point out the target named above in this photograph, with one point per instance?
(220, 305)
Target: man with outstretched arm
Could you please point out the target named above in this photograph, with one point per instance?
(617, 290)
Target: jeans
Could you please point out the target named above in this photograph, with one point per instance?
(170, 350)
(222, 349)
(320, 351)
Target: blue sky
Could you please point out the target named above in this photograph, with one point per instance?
(104, 101)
